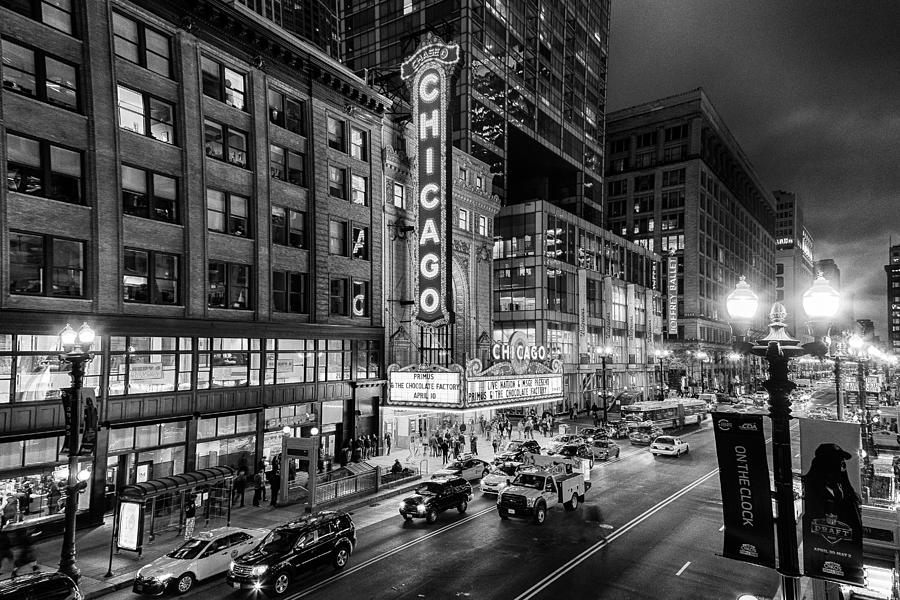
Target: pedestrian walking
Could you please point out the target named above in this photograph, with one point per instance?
(367, 447)
(26, 557)
(259, 487)
(190, 513)
(572, 411)
(275, 483)
(239, 487)
(376, 449)
(496, 444)
(5, 550)
(10, 511)
(445, 451)
(387, 441)
(262, 469)
(474, 444)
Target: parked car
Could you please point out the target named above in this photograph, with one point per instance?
(206, 554)
(669, 446)
(594, 432)
(292, 549)
(602, 449)
(515, 449)
(433, 497)
(467, 467)
(499, 475)
(575, 451)
(40, 586)
(884, 438)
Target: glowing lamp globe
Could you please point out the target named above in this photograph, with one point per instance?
(742, 302)
(86, 335)
(856, 342)
(821, 301)
(68, 336)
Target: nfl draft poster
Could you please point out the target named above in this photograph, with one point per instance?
(832, 515)
(746, 494)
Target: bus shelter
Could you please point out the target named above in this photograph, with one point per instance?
(158, 505)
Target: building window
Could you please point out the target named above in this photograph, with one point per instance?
(338, 298)
(337, 238)
(227, 212)
(359, 143)
(368, 359)
(225, 143)
(337, 182)
(287, 112)
(289, 291)
(137, 43)
(150, 277)
(41, 265)
(642, 183)
(222, 83)
(678, 132)
(360, 298)
(464, 174)
(617, 188)
(149, 195)
(620, 145)
(463, 219)
(779, 268)
(39, 75)
(675, 177)
(55, 13)
(287, 165)
(336, 138)
(646, 140)
(288, 227)
(779, 282)
(360, 190)
(360, 243)
(479, 182)
(398, 193)
(482, 225)
(145, 115)
(229, 285)
(38, 168)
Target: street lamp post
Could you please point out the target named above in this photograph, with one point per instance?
(858, 345)
(604, 352)
(733, 358)
(76, 351)
(778, 347)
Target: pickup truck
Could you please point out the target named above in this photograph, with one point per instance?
(551, 481)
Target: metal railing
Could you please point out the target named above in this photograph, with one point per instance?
(346, 486)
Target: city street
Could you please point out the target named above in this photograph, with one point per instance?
(645, 520)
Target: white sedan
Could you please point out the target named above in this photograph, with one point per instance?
(206, 554)
(669, 446)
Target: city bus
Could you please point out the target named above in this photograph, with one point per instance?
(666, 414)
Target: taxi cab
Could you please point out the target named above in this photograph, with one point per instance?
(206, 554)
(467, 467)
(669, 446)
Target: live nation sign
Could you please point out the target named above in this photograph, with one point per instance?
(428, 72)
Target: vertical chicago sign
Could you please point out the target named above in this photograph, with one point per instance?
(428, 73)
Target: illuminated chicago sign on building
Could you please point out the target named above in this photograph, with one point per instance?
(428, 72)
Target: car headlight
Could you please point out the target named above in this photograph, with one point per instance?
(421, 508)
(402, 506)
(164, 577)
(529, 501)
(231, 566)
(260, 569)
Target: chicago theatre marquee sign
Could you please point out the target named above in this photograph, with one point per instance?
(428, 73)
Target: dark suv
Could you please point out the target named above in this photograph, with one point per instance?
(292, 549)
(516, 449)
(435, 496)
(40, 586)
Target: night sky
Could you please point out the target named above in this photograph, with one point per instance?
(811, 91)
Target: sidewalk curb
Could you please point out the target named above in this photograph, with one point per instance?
(120, 582)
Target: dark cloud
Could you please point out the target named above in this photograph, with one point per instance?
(811, 91)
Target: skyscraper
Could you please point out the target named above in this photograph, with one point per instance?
(793, 259)
(530, 97)
(893, 296)
(313, 20)
(678, 183)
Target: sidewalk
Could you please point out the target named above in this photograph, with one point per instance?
(93, 545)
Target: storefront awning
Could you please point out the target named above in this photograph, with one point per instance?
(147, 490)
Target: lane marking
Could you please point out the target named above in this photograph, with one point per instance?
(316, 587)
(571, 564)
(681, 570)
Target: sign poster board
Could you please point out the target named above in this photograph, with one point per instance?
(131, 520)
(503, 390)
(672, 288)
(832, 514)
(428, 74)
(421, 388)
(746, 497)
